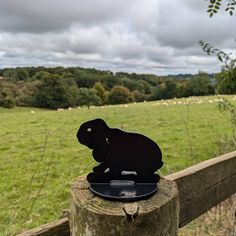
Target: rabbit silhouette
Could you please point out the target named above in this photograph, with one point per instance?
(122, 155)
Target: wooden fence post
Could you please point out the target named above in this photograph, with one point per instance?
(94, 216)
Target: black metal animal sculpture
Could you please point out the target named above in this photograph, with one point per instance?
(122, 155)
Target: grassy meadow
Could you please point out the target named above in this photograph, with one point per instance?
(40, 155)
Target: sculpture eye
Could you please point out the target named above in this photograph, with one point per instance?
(89, 129)
(107, 140)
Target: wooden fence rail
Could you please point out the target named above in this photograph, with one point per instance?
(57, 228)
(204, 185)
(200, 188)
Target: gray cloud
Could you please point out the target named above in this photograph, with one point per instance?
(184, 25)
(56, 15)
(152, 36)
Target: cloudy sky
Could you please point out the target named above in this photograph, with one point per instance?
(142, 36)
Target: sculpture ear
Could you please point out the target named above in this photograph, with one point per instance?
(85, 134)
(100, 144)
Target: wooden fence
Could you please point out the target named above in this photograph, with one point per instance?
(200, 188)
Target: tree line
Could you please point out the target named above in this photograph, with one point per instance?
(61, 87)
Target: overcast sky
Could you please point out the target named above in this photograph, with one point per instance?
(142, 36)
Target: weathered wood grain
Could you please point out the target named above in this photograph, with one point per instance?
(204, 185)
(95, 216)
(57, 228)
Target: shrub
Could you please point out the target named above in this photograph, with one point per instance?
(119, 94)
(101, 92)
(54, 92)
(8, 102)
(88, 97)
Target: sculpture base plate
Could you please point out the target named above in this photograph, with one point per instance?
(123, 190)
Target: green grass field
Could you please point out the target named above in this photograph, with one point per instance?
(40, 155)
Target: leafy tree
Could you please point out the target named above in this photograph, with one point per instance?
(41, 75)
(101, 92)
(199, 85)
(6, 98)
(85, 79)
(109, 81)
(54, 92)
(8, 102)
(138, 97)
(73, 91)
(58, 87)
(147, 88)
(22, 74)
(118, 95)
(167, 89)
(226, 81)
(88, 97)
(10, 74)
(16, 74)
(132, 84)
